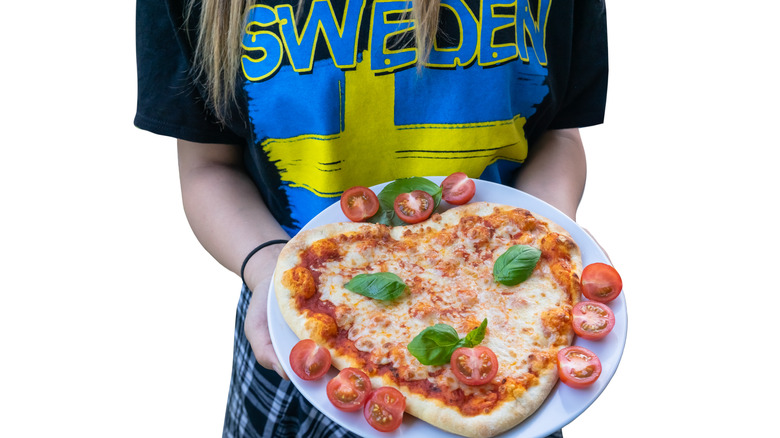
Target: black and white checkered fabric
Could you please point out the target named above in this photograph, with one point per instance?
(262, 404)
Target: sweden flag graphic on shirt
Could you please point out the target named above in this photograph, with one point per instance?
(365, 115)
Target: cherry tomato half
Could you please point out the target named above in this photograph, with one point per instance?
(414, 207)
(359, 203)
(309, 360)
(384, 409)
(458, 188)
(578, 367)
(592, 320)
(349, 389)
(601, 282)
(474, 366)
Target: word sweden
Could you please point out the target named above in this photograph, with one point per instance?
(271, 32)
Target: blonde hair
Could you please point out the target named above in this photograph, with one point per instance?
(218, 46)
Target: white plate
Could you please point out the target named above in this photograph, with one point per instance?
(563, 404)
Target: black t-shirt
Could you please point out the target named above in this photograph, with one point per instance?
(333, 99)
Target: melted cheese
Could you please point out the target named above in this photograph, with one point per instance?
(447, 265)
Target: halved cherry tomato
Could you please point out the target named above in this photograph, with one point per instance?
(474, 366)
(349, 389)
(458, 188)
(592, 320)
(384, 409)
(359, 203)
(578, 367)
(414, 207)
(309, 360)
(601, 282)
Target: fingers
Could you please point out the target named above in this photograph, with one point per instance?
(256, 330)
(266, 357)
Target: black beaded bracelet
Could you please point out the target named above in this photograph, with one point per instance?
(254, 251)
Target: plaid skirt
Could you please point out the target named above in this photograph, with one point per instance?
(263, 405)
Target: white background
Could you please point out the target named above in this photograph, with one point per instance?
(115, 322)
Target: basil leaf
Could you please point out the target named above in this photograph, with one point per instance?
(379, 286)
(435, 344)
(386, 214)
(476, 336)
(383, 216)
(516, 264)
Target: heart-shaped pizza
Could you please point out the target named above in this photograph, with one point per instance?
(457, 319)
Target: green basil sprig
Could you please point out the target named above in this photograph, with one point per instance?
(386, 214)
(379, 286)
(435, 344)
(516, 264)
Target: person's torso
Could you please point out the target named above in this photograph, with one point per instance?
(334, 98)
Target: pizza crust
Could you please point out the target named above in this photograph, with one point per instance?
(505, 415)
(290, 257)
(501, 419)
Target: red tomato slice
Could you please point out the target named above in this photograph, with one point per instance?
(578, 367)
(349, 389)
(474, 366)
(309, 360)
(592, 320)
(601, 282)
(414, 207)
(384, 409)
(359, 203)
(458, 188)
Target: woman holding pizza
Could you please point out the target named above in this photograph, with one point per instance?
(278, 107)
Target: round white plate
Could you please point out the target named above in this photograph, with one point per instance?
(563, 404)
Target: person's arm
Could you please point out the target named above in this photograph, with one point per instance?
(229, 218)
(555, 170)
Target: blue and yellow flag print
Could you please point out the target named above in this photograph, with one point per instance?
(365, 115)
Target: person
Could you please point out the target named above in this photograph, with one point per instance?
(278, 107)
